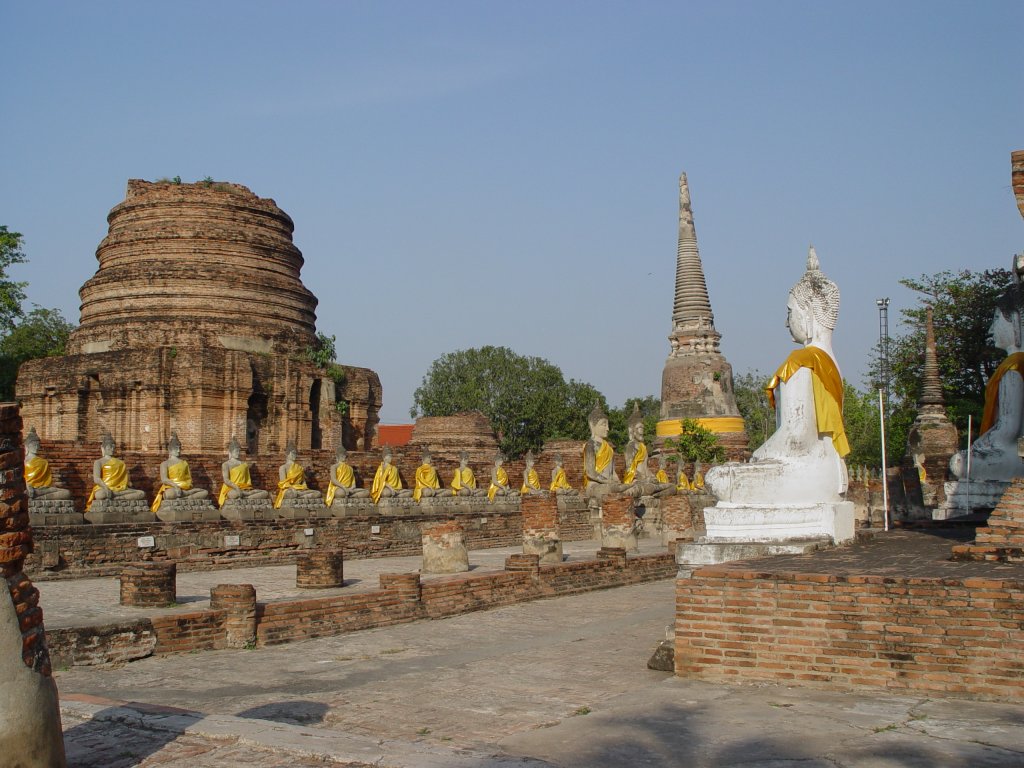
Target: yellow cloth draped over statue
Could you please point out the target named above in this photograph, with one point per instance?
(37, 473)
(698, 482)
(181, 478)
(604, 457)
(385, 477)
(1014, 362)
(114, 475)
(638, 458)
(661, 476)
(464, 478)
(239, 475)
(532, 482)
(560, 482)
(502, 477)
(294, 480)
(683, 482)
(345, 478)
(827, 386)
(426, 477)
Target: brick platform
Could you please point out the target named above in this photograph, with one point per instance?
(1003, 538)
(894, 612)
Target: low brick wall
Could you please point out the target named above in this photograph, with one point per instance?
(958, 637)
(101, 550)
(401, 598)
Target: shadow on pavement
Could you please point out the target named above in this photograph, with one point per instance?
(289, 712)
(113, 738)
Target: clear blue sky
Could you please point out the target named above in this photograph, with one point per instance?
(476, 173)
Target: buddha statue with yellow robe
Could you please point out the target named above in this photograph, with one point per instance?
(599, 476)
(386, 481)
(994, 454)
(638, 478)
(237, 480)
(559, 482)
(428, 484)
(531, 480)
(499, 480)
(464, 481)
(38, 477)
(110, 477)
(343, 481)
(697, 484)
(794, 483)
(175, 477)
(291, 480)
(662, 474)
(682, 481)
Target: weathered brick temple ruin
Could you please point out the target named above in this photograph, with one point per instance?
(197, 322)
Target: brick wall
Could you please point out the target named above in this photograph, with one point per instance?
(98, 550)
(401, 598)
(958, 637)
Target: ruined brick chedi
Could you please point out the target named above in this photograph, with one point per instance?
(697, 380)
(197, 322)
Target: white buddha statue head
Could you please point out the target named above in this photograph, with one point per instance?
(31, 442)
(813, 306)
(107, 445)
(1005, 330)
(174, 446)
(598, 422)
(635, 425)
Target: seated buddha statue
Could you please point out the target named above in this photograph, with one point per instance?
(237, 481)
(499, 480)
(386, 481)
(682, 481)
(38, 477)
(599, 476)
(110, 476)
(464, 481)
(994, 455)
(343, 481)
(802, 462)
(662, 474)
(291, 480)
(697, 484)
(175, 477)
(531, 480)
(638, 478)
(559, 482)
(428, 484)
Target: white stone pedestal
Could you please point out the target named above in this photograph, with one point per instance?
(966, 498)
(755, 523)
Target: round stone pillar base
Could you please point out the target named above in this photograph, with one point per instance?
(444, 549)
(319, 570)
(238, 601)
(548, 549)
(149, 584)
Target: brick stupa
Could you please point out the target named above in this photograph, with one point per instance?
(196, 321)
(697, 380)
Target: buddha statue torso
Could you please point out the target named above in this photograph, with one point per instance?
(343, 481)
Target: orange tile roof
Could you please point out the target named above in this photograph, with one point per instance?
(394, 434)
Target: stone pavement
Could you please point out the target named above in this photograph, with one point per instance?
(556, 682)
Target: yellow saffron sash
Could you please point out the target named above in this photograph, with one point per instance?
(114, 474)
(661, 476)
(464, 478)
(294, 479)
(180, 476)
(604, 457)
(344, 477)
(827, 386)
(426, 477)
(559, 482)
(382, 477)
(638, 458)
(502, 477)
(37, 473)
(532, 482)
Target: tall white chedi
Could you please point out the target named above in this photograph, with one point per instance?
(793, 486)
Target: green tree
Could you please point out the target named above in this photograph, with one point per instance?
(752, 401)
(42, 333)
(618, 419)
(695, 443)
(963, 304)
(526, 399)
(12, 293)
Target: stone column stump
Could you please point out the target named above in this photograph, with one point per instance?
(30, 729)
(320, 569)
(677, 517)
(149, 584)
(540, 527)
(238, 601)
(617, 522)
(444, 548)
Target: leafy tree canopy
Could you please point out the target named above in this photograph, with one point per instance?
(752, 401)
(12, 293)
(41, 333)
(695, 443)
(526, 399)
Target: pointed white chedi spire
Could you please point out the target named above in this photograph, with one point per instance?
(693, 322)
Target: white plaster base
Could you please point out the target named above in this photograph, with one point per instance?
(701, 552)
(980, 495)
(548, 549)
(728, 521)
(620, 536)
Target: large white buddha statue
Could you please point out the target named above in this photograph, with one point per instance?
(994, 455)
(798, 475)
